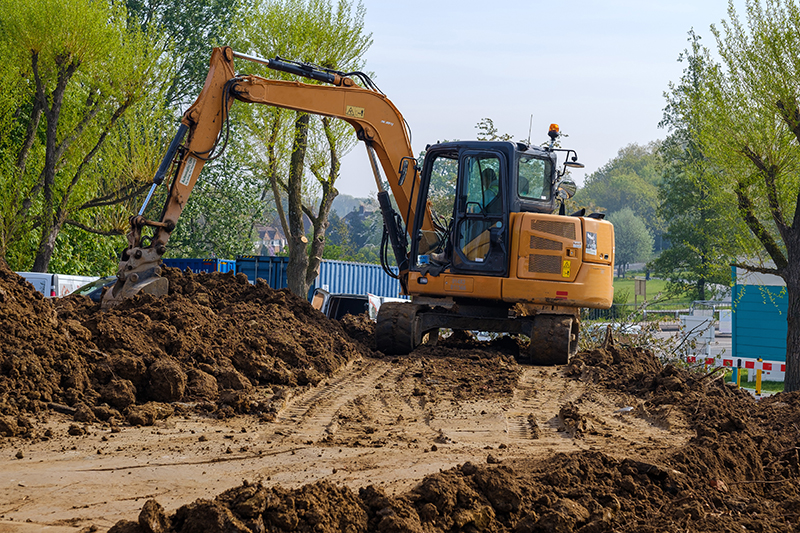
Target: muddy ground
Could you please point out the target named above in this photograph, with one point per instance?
(231, 407)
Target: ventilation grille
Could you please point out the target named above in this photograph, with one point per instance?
(546, 264)
(554, 227)
(539, 243)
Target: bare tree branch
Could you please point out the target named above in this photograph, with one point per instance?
(33, 125)
(761, 270)
(747, 211)
(769, 173)
(128, 192)
(96, 231)
(90, 155)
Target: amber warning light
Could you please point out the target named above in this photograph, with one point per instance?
(553, 133)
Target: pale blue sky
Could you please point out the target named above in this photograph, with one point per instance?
(598, 69)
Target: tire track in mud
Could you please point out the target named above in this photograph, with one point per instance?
(537, 400)
(312, 415)
(385, 414)
(534, 413)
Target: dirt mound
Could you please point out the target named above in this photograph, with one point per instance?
(361, 328)
(741, 471)
(207, 344)
(586, 492)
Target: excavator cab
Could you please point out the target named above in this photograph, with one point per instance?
(472, 187)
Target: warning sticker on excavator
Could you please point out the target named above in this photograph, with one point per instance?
(566, 268)
(355, 112)
(188, 170)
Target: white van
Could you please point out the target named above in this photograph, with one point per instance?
(52, 285)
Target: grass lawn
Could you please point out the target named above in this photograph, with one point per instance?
(766, 386)
(654, 287)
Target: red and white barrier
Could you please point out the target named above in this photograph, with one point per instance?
(740, 362)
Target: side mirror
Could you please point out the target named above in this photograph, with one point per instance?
(567, 189)
(404, 169)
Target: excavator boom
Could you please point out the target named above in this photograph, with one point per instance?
(375, 119)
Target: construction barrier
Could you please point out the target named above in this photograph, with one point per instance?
(737, 364)
(750, 364)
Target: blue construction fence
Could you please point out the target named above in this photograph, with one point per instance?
(334, 276)
(202, 265)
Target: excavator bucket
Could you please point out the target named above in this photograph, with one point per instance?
(122, 289)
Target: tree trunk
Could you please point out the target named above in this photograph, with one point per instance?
(329, 194)
(701, 288)
(298, 257)
(47, 246)
(792, 278)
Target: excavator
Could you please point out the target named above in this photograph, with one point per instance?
(472, 227)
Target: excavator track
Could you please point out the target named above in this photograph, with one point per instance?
(395, 330)
(554, 340)
(554, 337)
(398, 332)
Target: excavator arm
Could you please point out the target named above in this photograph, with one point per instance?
(375, 119)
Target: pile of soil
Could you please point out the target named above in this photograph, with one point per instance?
(740, 472)
(209, 344)
(217, 344)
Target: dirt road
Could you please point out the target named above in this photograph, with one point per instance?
(376, 421)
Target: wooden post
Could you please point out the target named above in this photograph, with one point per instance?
(639, 289)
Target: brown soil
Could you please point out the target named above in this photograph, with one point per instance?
(230, 407)
(210, 344)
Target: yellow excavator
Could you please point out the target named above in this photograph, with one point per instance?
(472, 229)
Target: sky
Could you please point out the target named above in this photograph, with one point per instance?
(598, 69)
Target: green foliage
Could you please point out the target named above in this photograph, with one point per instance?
(633, 242)
(190, 28)
(79, 69)
(82, 253)
(301, 153)
(629, 180)
(225, 205)
(701, 229)
(756, 145)
(487, 131)
(622, 296)
(749, 124)
(354, 238)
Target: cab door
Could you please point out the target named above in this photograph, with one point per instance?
(480, 228)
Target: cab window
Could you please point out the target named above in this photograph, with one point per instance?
(534, 178)
(483, 185)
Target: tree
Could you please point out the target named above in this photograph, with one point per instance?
(750, 127)
(629, 180)
(632, 241)
(488, 131)
(220, 218)
(303, 175)
(189, 29)
(80, 70)
(699, 225)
